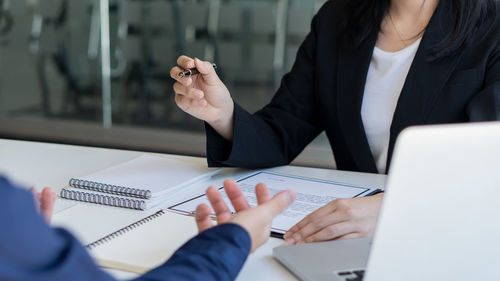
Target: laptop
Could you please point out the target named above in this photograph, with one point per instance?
(440, 219)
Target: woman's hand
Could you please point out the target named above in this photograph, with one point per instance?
(339, 219)
(257, 221)
(44, 202)
(203, 95)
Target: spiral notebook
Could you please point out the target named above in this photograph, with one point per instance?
(144, 244)
(141, 183)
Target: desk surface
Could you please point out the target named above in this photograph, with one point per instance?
(43, 164)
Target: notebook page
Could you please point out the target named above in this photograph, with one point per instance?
(95, 221)
(161, 175)
(146, 246)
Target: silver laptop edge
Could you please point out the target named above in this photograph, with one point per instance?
(439, 219)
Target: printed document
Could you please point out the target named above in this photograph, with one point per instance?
(311, 195)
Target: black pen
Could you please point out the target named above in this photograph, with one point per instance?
(376, 191)
(191, 72)
(277, 235)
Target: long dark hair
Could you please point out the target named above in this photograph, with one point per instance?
(363, 17)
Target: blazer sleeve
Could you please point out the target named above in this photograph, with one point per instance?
(485, 106)
(215, 254)
(31, 250)
(276, 134)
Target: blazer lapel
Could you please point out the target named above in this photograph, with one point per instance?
(353, 64)
(425, 78)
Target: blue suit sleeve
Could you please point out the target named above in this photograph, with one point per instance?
(215, 254)
(31, 250)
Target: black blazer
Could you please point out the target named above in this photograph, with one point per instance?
(324, 92)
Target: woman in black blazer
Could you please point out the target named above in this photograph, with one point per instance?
(452, 76)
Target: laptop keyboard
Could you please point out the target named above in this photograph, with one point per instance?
(354, 275)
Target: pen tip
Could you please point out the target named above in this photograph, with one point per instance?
(181, 75)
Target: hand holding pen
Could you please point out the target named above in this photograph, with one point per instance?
(200, 93)
(191, 72)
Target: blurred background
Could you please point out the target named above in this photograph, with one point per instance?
(96, 72)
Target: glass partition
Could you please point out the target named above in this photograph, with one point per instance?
(252, 42)
(51, 63)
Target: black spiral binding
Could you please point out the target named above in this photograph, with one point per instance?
(124, 230)
(109, 200)
(109, 188)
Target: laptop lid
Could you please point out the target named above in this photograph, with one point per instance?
(441, 214)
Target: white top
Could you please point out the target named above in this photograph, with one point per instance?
(385, 80)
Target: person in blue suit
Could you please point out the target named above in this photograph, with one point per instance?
(31, 250)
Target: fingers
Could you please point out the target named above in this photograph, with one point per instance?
(279, 202)
(186, 103)
(189, 92)
(203, 219)
(47, 200)
(185, 62)
(314, 216)
(312, 226)
(174, 74)
(221, 210)
(348, 218)
(182, 102)
(350, 236)
(262, 193)
(207, 70)
(235, 195)
(36, 196)
(331, 232)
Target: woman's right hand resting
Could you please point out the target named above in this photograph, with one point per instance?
(204, 96)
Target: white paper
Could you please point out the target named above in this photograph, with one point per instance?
(160, 175)
(311, 195)
(146, 246)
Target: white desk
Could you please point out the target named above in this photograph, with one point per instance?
(42, 164)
